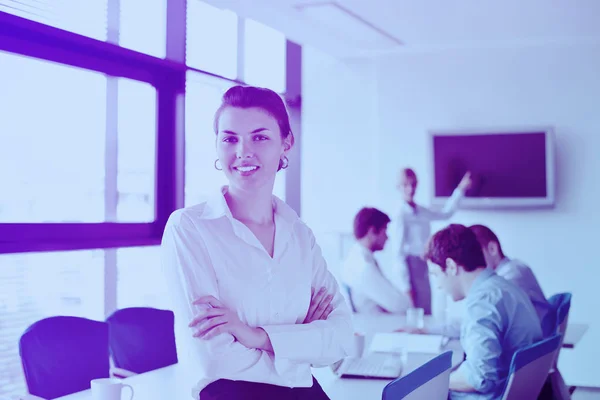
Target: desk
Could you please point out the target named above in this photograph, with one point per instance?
(574, 334)
(174, 382)
(372, 323)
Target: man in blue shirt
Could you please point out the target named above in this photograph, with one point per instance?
(499, 318)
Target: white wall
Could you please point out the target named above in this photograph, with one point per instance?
(550, 85)
(339, 139)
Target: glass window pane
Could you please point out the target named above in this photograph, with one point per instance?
(203, 97)
(143, 26)
(38, 285)
(140, 280)
(52, 141)
(264, 52)
(87, 18)
(211, 39)
(53, 145)
(136, 151)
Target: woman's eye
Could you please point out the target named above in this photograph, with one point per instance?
(230, 139)
(260, 137)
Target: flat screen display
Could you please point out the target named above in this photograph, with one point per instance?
(504, 165)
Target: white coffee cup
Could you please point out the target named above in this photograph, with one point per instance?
(359, 345)
(108, 389)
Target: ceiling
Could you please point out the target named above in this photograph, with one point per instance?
(372, 27)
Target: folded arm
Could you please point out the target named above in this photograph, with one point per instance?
(321, 342)
(189, 275)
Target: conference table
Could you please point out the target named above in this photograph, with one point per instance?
(175, 382)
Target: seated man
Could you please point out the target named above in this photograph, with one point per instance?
(512, 270)
(370, 290)
(499, 318)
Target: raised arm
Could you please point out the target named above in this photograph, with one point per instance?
(452, 203)
(321, 342)
(189, 275)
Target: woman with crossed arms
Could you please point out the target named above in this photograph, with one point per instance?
(255, 304)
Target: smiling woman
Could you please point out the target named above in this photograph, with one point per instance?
(246, 273)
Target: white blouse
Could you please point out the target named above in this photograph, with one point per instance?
(205, 251)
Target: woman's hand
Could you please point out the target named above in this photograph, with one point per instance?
(219, 319)
(320, 305)
(466, 182)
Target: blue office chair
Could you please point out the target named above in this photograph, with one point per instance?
(430, 381)
(556, 322)
(529, 369)
(142, 339)
(61, 355)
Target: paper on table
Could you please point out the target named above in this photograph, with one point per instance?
(409, 342)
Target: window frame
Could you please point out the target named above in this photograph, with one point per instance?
(168, 76)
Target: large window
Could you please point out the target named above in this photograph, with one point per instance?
(136, 151)
(211, 39)
(86, 18)
(53, 145)
(140, 281)
(52, 141)
(265, 51)
(143, 26)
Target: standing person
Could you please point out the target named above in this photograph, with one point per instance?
(246, 273)
(414, 229)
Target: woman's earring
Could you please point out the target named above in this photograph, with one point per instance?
(284, 163)
(218, 167)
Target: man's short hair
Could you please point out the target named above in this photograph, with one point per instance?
(369, 217)
(458, 243)
(485, 235)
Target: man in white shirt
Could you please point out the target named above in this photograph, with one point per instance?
(512, 270)
(370, 291)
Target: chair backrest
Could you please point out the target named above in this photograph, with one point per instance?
(61, 355)
(429, 381)
(556, 321)
(142, 339)
(529, 369)
(562, 304)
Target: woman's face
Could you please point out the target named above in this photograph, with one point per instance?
(249, 147)
(408, 187)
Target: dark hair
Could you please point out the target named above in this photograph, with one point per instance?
(265, 99)
(367, 218)
(458, 243)
(485, 235)
(408, 173)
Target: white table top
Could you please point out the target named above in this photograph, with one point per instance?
(371, 323)
(174, 382)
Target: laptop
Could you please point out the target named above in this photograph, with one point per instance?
(370, 366)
